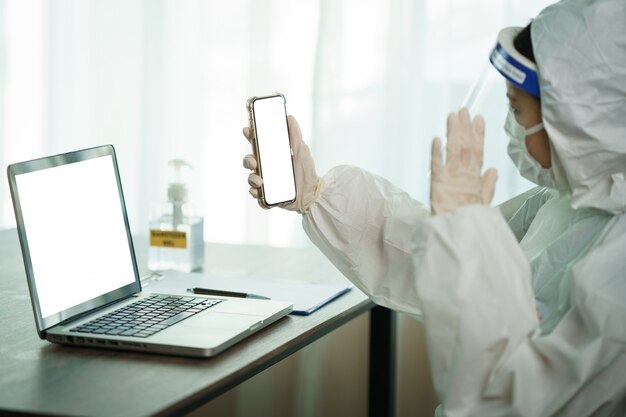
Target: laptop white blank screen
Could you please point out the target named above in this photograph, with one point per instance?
(74, 222)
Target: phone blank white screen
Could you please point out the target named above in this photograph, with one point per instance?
(76, 232)
(272, 137)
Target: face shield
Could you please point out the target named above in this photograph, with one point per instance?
(505, 62)
(487, 97)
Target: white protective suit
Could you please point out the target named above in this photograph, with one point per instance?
(478, 276)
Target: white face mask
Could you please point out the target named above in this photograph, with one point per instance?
(528, 166)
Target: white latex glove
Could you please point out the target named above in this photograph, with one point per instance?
(459, 182)
(307, 181)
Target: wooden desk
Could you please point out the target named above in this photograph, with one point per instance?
(40, 378)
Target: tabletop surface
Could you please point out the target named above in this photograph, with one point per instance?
(40, 377)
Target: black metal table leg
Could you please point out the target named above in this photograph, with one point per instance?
(382, 375)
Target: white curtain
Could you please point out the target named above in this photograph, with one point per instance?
(370, 82)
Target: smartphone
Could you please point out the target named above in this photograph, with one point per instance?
(272, 149)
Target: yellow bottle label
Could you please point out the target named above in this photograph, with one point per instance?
(168, 239)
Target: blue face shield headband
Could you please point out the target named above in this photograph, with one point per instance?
(515, 67)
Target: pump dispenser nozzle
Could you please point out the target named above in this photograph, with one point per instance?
(177, 190)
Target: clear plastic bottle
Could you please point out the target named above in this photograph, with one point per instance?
(176, 233)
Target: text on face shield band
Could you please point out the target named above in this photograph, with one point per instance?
(516, 68)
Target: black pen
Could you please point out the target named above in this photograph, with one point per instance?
(222, 293)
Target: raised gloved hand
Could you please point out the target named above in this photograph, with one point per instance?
(307, 181)
(459, 182)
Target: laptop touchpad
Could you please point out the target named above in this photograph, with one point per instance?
(214, 327)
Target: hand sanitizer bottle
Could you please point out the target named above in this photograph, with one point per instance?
(176, 234)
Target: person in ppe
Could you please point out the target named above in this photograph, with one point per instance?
(523, 304)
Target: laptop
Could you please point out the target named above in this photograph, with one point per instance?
(82, 272)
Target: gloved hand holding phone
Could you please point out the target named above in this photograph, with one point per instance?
(307, 181)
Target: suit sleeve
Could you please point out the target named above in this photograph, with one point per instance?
(465, 275)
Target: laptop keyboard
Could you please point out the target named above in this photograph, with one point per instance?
(148, 316)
